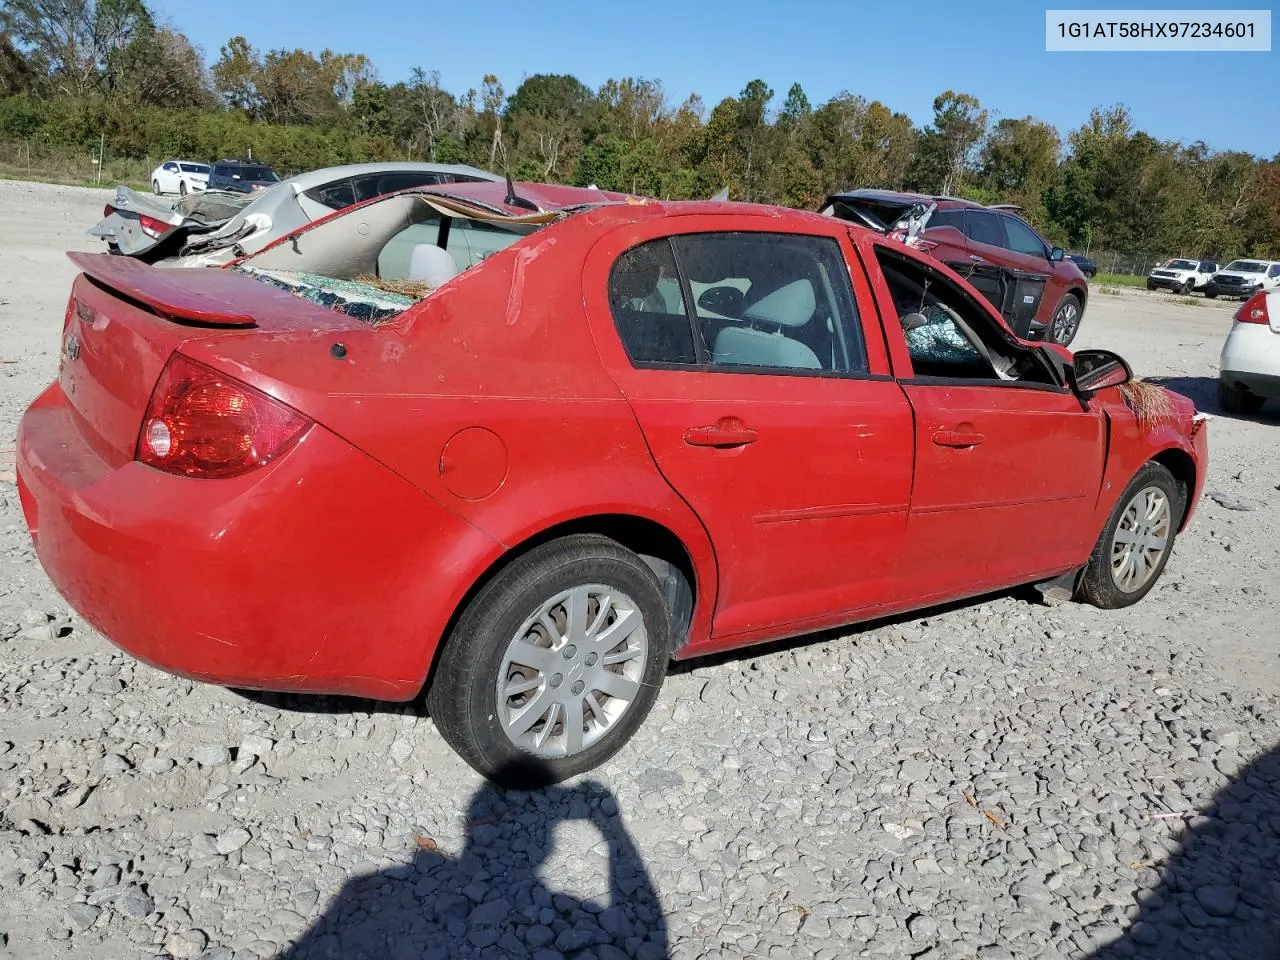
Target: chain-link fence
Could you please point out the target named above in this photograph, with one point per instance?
(1127, 264)
(37, 161)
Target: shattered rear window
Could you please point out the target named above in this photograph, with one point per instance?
(368, 299)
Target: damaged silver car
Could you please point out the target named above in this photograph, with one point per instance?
(215, 227)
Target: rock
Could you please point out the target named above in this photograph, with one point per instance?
(187, 945)
(133, 902)
(232, 840)
(1218, 900)
(211, 756)
(80, 916)
(253, 745)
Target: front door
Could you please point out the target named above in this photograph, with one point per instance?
(1008, 462)
(769, 409)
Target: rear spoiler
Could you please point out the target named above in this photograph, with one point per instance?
(176, 293)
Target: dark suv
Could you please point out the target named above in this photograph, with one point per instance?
(1039, 291)
(241, 176)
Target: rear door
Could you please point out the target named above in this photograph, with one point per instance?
(759, 378)
(1008, 462)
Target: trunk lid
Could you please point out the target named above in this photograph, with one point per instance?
(126, 318)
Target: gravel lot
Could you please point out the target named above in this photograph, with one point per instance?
(998, 779)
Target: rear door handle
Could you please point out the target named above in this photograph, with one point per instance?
(957, 438)
(729, 432)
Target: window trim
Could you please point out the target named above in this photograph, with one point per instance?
(705, 364)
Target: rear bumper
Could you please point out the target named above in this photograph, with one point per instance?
(1251, 358)
(321, 572)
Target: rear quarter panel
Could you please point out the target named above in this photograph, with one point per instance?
(490, 398)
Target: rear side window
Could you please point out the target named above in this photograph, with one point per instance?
(983, 227)
(378, 184)
(745, 302)
(335, 196)
(648, 306)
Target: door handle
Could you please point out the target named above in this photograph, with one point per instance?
(975, 258)
(729, 432)
(957, 438)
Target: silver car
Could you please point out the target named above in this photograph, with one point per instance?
(214, 227)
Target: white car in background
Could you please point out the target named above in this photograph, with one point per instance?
(1249, 369)
(179, 176)
(1182, 275)
(1244, 278)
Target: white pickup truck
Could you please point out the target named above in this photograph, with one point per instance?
(1182, 275)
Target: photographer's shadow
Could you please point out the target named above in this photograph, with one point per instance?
(1219, 897)
(491, 901)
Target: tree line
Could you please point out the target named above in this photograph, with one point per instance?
(72, 71)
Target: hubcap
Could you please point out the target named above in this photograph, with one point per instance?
(572, 670)
(1140, 539)
(1064, 328)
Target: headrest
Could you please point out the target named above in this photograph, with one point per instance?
(788, 306)
(431, 264)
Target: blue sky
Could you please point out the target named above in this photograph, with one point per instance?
(902, 53)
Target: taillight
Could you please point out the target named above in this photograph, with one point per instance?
(202, 423)
(152, 227)
(1254, 310)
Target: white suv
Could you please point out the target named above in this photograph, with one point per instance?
(1182, 275)
(1249, 369)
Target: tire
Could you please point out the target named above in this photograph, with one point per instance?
(1211, 294)
(182, 188)
(1065, 324)
(1109, 582)
(502, 624)
(155, 186)
(1233, 398)
(1187, 287)
(1150, 285)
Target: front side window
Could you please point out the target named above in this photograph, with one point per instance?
(948, 334)
(946, 218)
(1022, 239)
(1274, 271)
(748, 302)
(983, 227)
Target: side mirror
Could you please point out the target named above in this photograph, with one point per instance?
(1056, 254)
(1098, 369)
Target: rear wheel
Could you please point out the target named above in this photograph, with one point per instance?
(1211, 294)
(1066, 320)
(1233, 398)
(554, 664)
(1136, 542)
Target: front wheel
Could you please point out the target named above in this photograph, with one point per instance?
(1136, 542)
(1211, 294)
(182, 188)
(1066, 320)
(554, 664)
(1188, 286)
(155, 187)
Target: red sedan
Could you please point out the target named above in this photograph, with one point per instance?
(523, 446)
